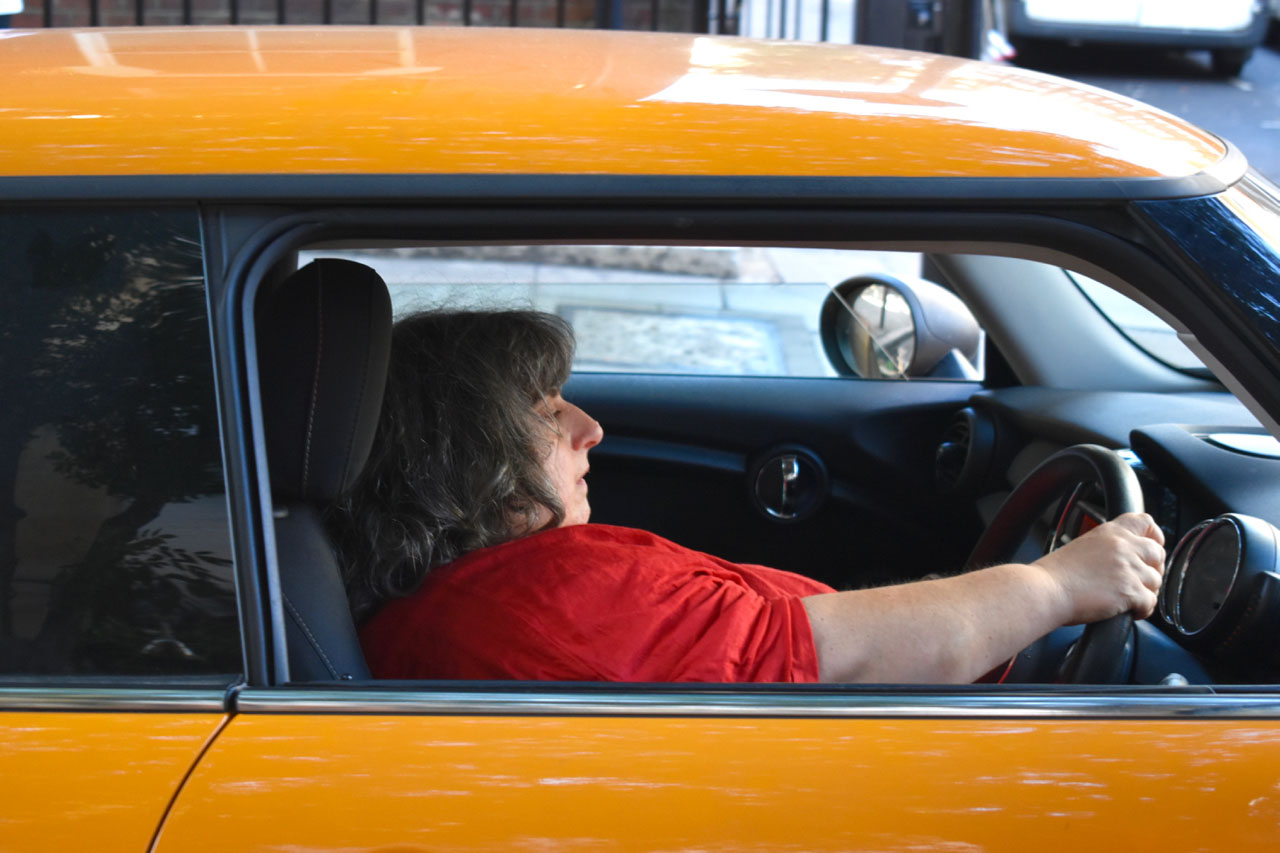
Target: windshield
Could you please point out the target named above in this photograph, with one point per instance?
(1256, 200)
(1139, 325)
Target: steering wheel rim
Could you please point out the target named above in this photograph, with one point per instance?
(1098, 655)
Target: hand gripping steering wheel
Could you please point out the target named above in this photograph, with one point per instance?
(1098, 656)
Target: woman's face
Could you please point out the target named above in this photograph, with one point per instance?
(566, 464)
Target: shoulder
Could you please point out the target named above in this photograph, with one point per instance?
(557, 559)
(598, 551)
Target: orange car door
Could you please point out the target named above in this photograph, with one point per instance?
(102, 779)
(397, 769)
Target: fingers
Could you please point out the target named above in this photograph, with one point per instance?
(1145, 605)
(1144, 540)
(1116, 567)
(1140, 524)
(1152, 555)
(1152, 577)
(1139, 533)
(1145, 599)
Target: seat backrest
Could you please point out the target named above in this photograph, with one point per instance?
(324, 338)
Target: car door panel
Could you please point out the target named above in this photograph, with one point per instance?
(679, 454)
(375, 781)
(94, 780)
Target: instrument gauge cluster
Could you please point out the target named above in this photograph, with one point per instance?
(1221, 589)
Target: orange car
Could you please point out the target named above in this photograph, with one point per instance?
(833, 305)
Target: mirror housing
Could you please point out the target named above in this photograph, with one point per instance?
(884, 327)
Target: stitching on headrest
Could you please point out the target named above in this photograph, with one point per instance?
(354, 423)
(315, 382)
(311, 638)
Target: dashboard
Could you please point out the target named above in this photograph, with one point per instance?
(1210, 476)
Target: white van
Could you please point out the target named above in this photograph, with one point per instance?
(1229, 29)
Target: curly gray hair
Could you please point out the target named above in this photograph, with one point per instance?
(457, 459)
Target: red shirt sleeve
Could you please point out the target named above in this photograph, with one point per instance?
(598, 603)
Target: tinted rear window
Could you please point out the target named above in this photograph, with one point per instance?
(114, 548)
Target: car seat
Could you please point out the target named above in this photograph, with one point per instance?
(324, 337)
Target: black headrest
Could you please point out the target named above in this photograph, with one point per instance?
(324, 338)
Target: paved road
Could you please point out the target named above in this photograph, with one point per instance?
(1246, 110)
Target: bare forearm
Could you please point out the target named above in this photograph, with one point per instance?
(951, 630)
(955, 629)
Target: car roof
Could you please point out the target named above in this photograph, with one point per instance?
(468, 101)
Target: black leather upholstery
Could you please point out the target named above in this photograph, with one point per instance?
(323, 645)
(324, 336)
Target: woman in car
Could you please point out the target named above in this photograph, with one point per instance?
(469, 554)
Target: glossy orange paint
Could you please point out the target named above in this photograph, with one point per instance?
(392, 100)
(93, 781)
(357, 783)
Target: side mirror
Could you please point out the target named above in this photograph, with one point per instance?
(882, 327)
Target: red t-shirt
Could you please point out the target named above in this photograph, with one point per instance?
(597, 603)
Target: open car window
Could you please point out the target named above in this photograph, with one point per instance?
(697, 361)
(710, 310)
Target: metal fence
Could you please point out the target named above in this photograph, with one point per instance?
(703, 16)
(944, 26)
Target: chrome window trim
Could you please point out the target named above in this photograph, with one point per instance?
(1147, 704)
(113, 700)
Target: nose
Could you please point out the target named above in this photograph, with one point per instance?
(586, 431)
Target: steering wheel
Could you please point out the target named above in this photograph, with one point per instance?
(1098, 656)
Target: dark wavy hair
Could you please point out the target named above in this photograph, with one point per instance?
(456, 463)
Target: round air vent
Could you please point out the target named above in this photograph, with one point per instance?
(964, 453)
